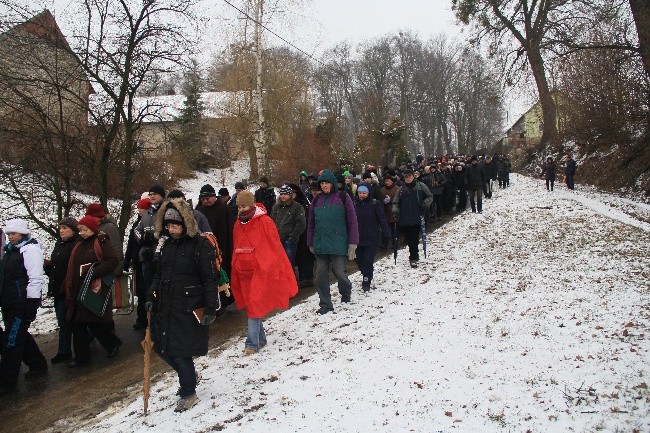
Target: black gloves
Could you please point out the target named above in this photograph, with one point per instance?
(148, 306)
(31, 307)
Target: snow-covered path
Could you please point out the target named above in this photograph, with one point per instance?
(529, 317)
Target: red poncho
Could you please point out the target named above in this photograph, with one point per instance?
(262, 278)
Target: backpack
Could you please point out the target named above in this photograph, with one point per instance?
(223, 276)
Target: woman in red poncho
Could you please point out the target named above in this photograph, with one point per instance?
(262, 278)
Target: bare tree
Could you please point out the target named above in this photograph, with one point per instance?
(528, 25)
(119, 45)
(43, 120)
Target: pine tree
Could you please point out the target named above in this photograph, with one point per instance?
(191, 140)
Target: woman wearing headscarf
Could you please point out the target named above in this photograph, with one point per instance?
(93, 250)
(21, 281)
(183, 297)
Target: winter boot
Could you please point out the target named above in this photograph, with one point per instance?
(365, 285)
(186, 403)
(413, 263)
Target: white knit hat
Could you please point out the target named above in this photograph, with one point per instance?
(17, 226)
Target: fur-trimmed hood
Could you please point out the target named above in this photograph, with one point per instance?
(191, 227)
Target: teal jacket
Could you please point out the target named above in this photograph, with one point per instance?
(332, 222)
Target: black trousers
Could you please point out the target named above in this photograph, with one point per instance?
(18, 346)
(412, 237)
(81, 339)
(476, 199)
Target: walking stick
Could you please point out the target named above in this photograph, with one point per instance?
(147, 345)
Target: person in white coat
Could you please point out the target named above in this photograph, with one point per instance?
(21, 281)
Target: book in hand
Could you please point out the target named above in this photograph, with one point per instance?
(84, 268)
(199, 313)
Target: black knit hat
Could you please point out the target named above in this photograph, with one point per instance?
(239, 185)
(207, 191)
(158, 189)
(223, 192)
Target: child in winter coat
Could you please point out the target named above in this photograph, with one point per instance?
(262, 278)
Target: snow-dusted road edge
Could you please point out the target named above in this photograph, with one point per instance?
(532, 316)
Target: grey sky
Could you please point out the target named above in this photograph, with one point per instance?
(316, 25)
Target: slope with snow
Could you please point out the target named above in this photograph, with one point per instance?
(529, 317)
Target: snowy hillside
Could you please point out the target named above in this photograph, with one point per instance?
(529, 317)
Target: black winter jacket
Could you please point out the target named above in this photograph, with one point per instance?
(290, 220)
(58, 266)
(410, 201)
(371, 221)
(266, 196)
(186, 279)
(475, 177)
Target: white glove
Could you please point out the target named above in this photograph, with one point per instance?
(352, 248)
(312, 250)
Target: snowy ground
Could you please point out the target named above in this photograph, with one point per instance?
(529, 317)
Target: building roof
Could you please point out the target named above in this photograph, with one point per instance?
(42, 26)
(167, 108)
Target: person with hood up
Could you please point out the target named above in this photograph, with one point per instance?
(289, 217)
(56, 269)
(372, 227)
(21, 281)
(303, 182)
(95, 249)
(262, 276)
(333, 236)
(183, 297)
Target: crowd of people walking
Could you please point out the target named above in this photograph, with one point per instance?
(252, 249)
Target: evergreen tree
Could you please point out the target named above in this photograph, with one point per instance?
(191, 139)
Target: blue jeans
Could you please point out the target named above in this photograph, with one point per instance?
(290, 248)
(65, 329)
(184, 367)
(256, 336)
(365, 260)
(339, 265)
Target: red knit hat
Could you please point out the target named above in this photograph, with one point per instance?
(95, 210)
(144, 203)
(91, 222)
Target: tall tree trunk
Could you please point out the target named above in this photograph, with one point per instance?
(260, 138)
(641, 14)
(549, 111)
